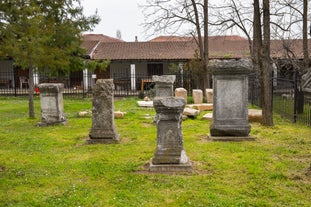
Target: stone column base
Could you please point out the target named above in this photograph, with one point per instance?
(231, 138)
(169, 168)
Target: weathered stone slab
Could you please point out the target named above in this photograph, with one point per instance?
(201, 107)
(208, 116)
(197, 96)
(230, 113)
(145, 104)
(191, 112)
(103, 126)
(84, 113)
(119, 114)
(255, 115)
(209, 95)
(181, 92)
(51, 103)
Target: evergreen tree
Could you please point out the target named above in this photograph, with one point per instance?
(43, 34)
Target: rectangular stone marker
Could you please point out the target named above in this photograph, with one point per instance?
(230, 111)
(197, 96)
(103, 126)
(51, 103)
(181, 92)
(209, 95)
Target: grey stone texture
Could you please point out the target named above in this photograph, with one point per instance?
(230, 113)
(164, 85)
(169, 155)
(169, 148)
(51, 103)
(103, 125)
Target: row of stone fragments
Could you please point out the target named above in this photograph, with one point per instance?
(197, 95)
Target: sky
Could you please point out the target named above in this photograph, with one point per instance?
(123, 15)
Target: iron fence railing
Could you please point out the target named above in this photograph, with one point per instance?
(288, 98)
(80, 83)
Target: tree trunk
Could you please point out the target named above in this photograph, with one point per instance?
(305, 35)
(257, 38)
(203, 46)
(31, 93)
(266, 72)
(207, 78)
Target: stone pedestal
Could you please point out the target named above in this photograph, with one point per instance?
(181, 92)
(209, 95)
(51, 103)
(103, 126)
(164, 85)
(230, 112)
(170, 155)
(197, 96)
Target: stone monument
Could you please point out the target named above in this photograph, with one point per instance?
(209, 95)
(103, 126)
(230, 112)
(169, 155)
(51, 103)
(181, 92)
(197, 96)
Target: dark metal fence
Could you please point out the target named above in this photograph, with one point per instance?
(15, 82)
(142, 85)
(80, 83)
(288, 98)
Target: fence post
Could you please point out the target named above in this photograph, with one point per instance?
(295, 96)
(14, 79)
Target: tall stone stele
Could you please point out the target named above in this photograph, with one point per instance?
(169, 155)
(230, 112)
(51, 104)
(103, 126)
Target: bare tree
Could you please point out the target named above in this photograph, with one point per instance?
(266, 70)
(234, 15)
(305, 35)
(172, 17)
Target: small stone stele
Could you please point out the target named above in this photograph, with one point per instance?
(181, 92)
(51, 103)
(103, 126)
(197, 96)
(209, 95)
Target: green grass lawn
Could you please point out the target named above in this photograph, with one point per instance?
(53, 166)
